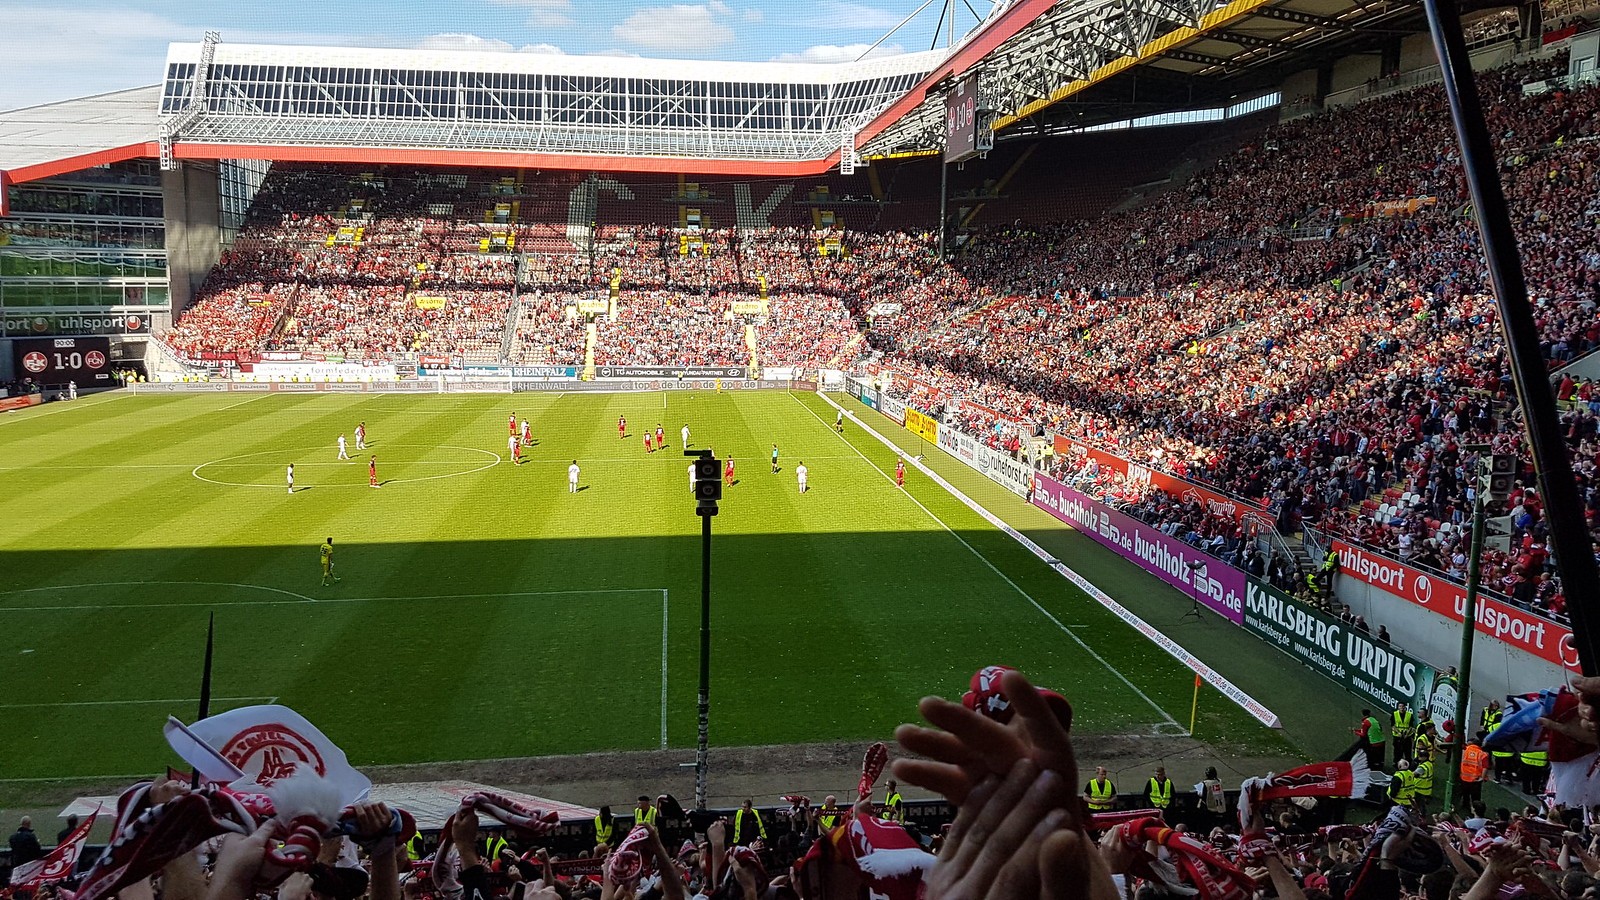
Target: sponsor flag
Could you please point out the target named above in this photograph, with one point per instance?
(265, 744)
(60, 862)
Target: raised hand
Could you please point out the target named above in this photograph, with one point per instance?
(971, 746)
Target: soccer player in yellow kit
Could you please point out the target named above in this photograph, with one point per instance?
(327, 562)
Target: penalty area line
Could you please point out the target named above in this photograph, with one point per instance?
(1167, 717)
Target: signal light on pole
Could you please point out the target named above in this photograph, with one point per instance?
(1502, 476)
(707, 479)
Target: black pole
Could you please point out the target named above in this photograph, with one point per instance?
(944, 175)
(702, 752)
(205, 688)
(1569, 536)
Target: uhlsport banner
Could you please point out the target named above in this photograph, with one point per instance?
(1207, 580)
(1518, 627)
(922, 425)
(1377, 673)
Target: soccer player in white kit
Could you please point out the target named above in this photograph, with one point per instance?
(511, 443)
(686, 437)
(525, 431)
(801, 472)
(361, 436)
(290, 476)
(342, 453)
(691, 476)
(572, 478)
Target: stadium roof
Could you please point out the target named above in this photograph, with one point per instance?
(56, 138)
(1178, 51)
(466, 107)
(1040, 63)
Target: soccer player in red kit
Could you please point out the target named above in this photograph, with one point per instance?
(661, 437)
(648, 448)
(511, 425)
(516, 453)
(900, 472)
(622, 426)
(372, 471)
(727, 474)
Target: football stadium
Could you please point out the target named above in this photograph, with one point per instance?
(434, 469)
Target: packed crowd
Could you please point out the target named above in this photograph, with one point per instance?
(1026, 824)
(1192, 336)
(548, 334)
(809, 331)
(668, 328)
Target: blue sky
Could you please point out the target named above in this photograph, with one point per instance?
(77, 47)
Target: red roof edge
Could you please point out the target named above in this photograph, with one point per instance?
(499, 159)
(82, 161)
(1003, 29)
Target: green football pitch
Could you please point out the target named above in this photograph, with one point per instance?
(486, 612)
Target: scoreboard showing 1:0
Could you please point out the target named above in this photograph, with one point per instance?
(85, 360)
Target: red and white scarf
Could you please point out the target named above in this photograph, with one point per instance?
(1327, 779)
(1195, 869)
(502, 809)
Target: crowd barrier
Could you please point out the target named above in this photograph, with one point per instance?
(1526, 631)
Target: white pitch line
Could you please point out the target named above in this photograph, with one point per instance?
(996, 569)
(663, 668)
(302, 601)
(99, 584)
(128, 702)
(261, 396)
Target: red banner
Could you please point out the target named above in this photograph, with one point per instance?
(7, 404)
(1518, 627)
(58, 864)
(1220, 504)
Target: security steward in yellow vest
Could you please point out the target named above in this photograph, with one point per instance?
(1101, 791)
(747, 825)
(1424, 744)
(1402, 785)
(415, 847)
(603, 827)
(1422, 784)
(829, 815)
(1402, 725)
(894, 805)
(1489, 719)
(644, 812)
(1506, 766)
(1159, 789)
(1535, 766)
(492, 845)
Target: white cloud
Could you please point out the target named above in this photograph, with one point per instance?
(833, 53)
(846, 15)
(677, 27)
(543, 13)
(452, 40)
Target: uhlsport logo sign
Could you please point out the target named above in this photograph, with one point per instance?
(1495, 617)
